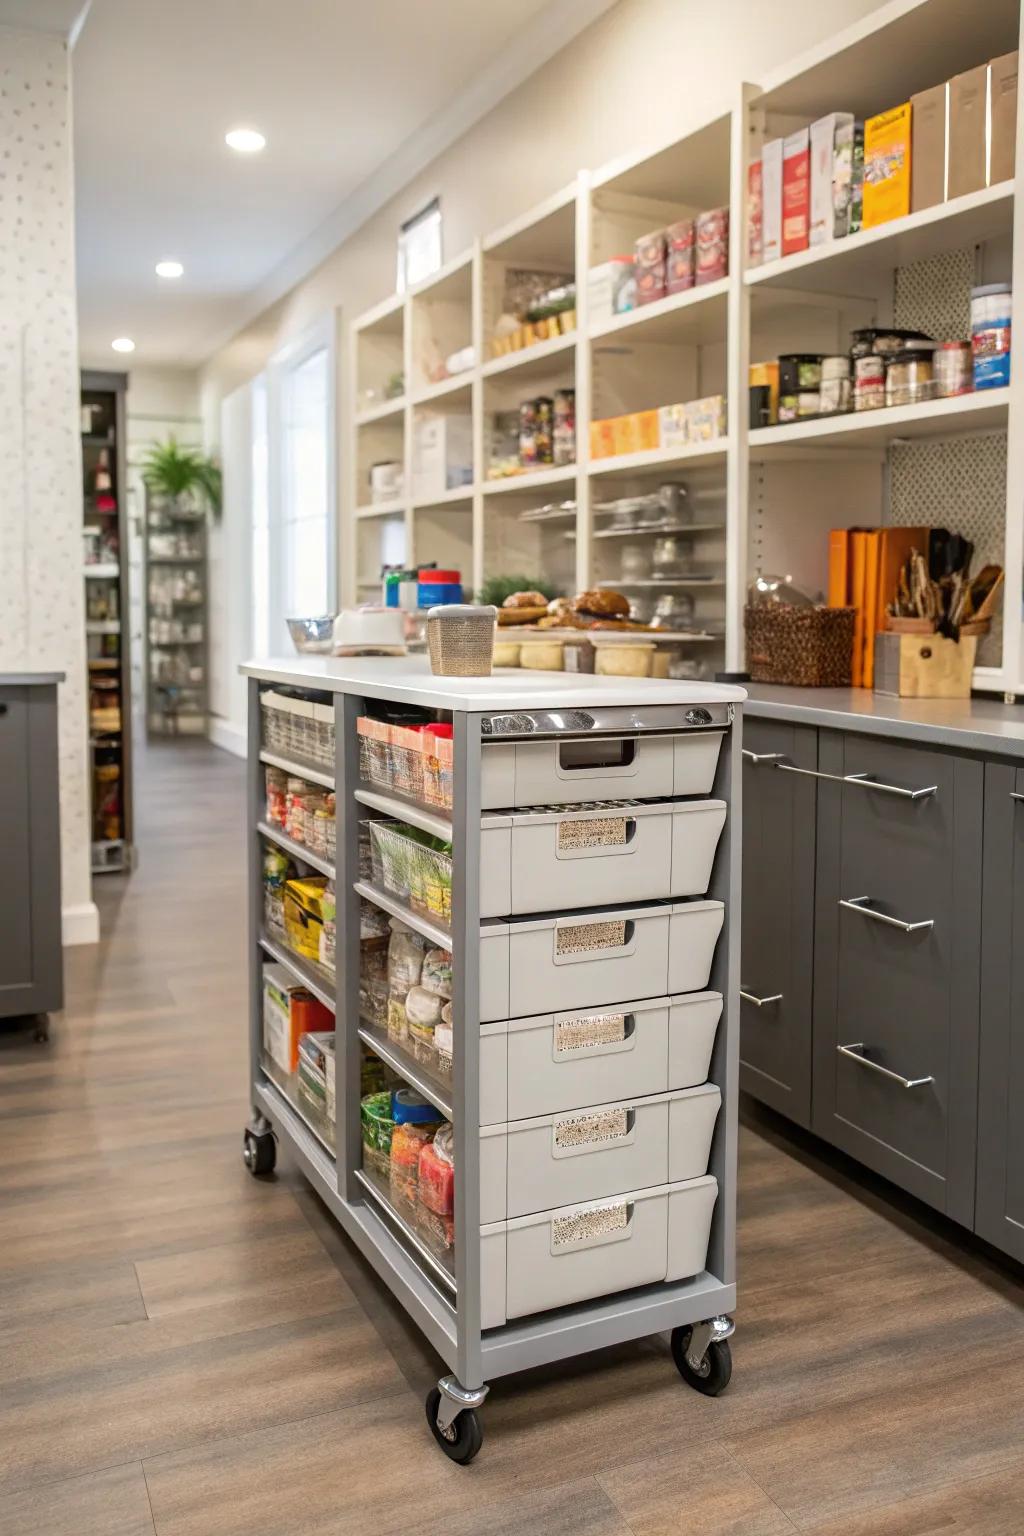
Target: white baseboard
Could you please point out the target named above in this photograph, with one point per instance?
(229, 737)
(80, 924)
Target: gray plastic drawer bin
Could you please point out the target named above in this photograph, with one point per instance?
(592, 1153)
(558, 1257)
(558, 1061)
(629, 767)
(592, 959)
(547, 858)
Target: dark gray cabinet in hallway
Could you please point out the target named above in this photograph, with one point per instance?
(31, 956)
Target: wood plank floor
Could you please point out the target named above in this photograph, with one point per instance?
(189, 1352)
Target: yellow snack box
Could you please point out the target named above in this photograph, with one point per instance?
(887, 166)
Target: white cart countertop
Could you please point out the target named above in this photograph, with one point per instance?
(409, 680)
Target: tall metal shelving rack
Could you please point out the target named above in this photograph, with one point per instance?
(177, 627)
(445, 1300)
(108, 638)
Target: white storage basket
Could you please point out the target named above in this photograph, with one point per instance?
(544, 858)
(564, 772)
(594, 959)
(559, 1061)
(555, 1258)
(589, 1154)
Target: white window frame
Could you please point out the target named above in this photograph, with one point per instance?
(320, 336)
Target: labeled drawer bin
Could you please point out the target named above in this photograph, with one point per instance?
(595, 959)
(565, 772)
(413, 866)
(589, 1154)
(560, 1061)
(557, 1257)
(613, 851)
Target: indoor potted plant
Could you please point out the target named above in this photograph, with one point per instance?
(183, 476)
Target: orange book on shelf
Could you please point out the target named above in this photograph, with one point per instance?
(872, 554)
(895, 549)
(858, 556)
(839, 567)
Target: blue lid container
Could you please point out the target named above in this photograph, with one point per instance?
(408, 1108)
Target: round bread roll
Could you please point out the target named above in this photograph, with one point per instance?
(525, 600)
(603, 604)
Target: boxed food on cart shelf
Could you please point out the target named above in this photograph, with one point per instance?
(289, 1012)
(276, 869)
(303, 915)
(316, 1067)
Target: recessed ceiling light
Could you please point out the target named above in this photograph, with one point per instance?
(247, 141)
(169, 269)
(123, 344)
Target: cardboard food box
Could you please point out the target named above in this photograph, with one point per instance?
(673, 426)
(289, 1012)
(755, 211)
(887, 166)
(681, 237)
(303, 915)
(928, 148)
(847, 177)
(826, 134)
(968, 114)
(1002, 117)
(602, 440)
(796, 191)
(771, 200)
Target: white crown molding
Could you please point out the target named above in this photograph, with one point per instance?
(517, 61)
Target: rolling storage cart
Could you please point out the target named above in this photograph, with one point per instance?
(559, 855)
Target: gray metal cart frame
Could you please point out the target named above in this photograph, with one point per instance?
(446, 1306)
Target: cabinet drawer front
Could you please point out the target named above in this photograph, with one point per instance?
(778, 904)
(897, 964)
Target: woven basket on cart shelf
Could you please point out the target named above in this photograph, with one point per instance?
(804, 647)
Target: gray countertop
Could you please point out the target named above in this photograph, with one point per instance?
(29, 679)
(974, 725)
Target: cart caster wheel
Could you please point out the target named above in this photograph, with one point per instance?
(464, 1435)
(715, 1369)
(259, 1152)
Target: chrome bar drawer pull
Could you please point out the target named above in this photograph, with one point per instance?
(859, 904)
(760, 1002)
(861, 781)
(1015, 796)
(854, 1052)
(762, 757)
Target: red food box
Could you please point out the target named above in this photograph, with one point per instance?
(755, 214)
(651, 283)
(796, 191)
(651, 250)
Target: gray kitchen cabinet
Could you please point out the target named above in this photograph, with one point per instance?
(897, 962)
(999, 1213)
(778, 916)
(31, 957)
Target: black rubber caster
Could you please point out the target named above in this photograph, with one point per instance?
(715, 1368)
(259, 1152)
(463, 1437)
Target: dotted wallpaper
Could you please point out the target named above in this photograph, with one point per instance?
(41, 587)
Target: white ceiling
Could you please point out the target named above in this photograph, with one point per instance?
(349, 93)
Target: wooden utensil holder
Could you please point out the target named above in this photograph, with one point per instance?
(920, 664)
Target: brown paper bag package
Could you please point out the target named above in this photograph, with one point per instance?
(1003, 116)
(928, 148)
(967, 112)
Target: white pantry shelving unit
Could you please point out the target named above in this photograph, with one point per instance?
(770, 494)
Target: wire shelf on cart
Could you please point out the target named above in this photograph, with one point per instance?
(313, 978)
(296, 850)
(408, 1068)
(437, 933)
(381, 1193)
(299, 767)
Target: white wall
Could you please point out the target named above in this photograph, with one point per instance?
(644, 73)
(42, 600)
